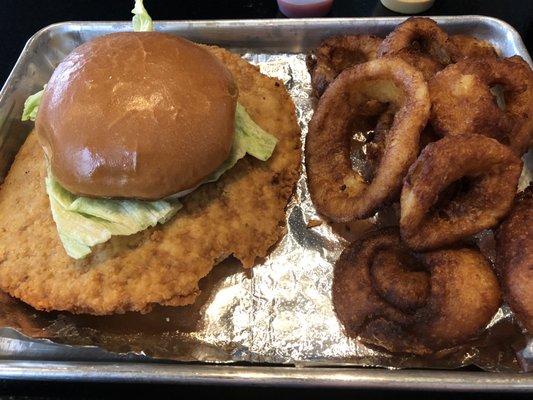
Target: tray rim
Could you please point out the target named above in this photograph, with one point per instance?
(279, 376)
(160, 371)
(255, 22)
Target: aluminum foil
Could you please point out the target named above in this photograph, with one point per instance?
(279, 313)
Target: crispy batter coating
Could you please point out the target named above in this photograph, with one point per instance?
(514, 248)
(420, 42)
(409, 303)
(427, 65)
(242, 214)
(339, 192)
(337, 53)
(470, 46)
(462, 101)
(486, 176)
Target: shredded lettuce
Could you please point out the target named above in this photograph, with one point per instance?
(84, 222)
(141, 21)
(257, 142)
(250, 138)
(31, 106)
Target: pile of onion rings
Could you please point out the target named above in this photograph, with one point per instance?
(410, 290)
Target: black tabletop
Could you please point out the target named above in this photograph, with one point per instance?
(19, 19)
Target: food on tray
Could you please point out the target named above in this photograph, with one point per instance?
(514, 245)
(368, 126)
(337, 53)
(413, 303)
(348, 105)
(462, 101)
(146, 184)
(421, 43)
(469, 46)
(457, 187)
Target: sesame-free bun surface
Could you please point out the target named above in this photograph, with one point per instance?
(137, 115)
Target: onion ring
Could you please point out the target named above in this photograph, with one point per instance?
(337, 53)
(336, 189)
(412, 303)
(462, 102)
(469, 46)
(421, 43)
(491, 171)
(514, 248)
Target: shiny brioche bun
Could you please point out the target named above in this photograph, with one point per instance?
(137, 115)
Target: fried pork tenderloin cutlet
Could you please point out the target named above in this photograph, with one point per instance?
(514, 258)
(390, 297)
(242, 214)
(337, 53)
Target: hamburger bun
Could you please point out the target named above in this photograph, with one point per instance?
(137, 115)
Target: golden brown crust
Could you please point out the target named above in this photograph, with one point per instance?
(462, 101)
(492, 171)
(435, 300)
(420, 42)
(337, 190)
(470, 46)
(241, 214)
(137, 114)
(425, 64)
(337, 53)
(514, 248)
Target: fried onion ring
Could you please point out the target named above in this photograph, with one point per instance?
(470, 46)
(337, 53)
(421, 43)
(514, 248)
(412, 303)
(486, 175)
(462, 101)
(336, 189)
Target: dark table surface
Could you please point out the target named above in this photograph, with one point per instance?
(19, 19)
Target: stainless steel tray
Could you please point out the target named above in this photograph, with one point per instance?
(28, 359)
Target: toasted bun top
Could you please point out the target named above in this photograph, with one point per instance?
(137, 114)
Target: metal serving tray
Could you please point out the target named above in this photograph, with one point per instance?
(22, 358)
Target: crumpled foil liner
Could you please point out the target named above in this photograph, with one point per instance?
(279, 313)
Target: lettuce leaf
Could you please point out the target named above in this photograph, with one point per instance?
(257, 142)
(250, 138)
(141, 21)
(31, 106)
(84, 222)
